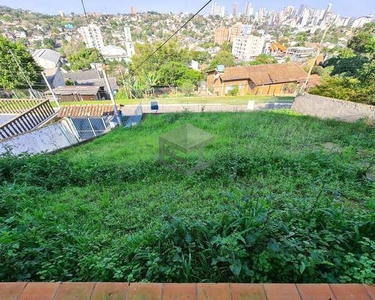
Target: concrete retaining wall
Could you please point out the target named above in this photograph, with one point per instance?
(46, 139)
(329, 108)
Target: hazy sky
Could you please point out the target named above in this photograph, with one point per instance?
(353, 8)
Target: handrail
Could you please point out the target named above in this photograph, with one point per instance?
(15, 106)
(29, 120)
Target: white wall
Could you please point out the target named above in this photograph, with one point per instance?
(46, 139)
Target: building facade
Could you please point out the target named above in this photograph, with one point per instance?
(247, 47)
(92, 36)
(221, 35)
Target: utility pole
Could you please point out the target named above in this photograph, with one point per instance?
(24, 75)
(50, 89)
(303, 87)
(112, 98)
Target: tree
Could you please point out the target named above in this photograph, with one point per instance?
(301, 38)
(11, 75)
(223, 58)
(176, 74)
(142, 62)
(363, 42)
(49, 43)
(83, 58)
(264, 59)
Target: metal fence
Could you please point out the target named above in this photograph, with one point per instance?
(28, 120)
(135, 119)
(22, 94)
(17, 106)
(90, 127)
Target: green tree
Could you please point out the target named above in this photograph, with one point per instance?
(301, 38)
(363, 42)
(142, 62)
(49, 43)
(264, 59)
(82, 59)
(176, 74)
(10, 74)
(223, 58)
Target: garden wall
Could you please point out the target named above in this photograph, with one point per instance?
(329, 108)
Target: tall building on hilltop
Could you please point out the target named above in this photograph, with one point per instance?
(133, 10)
(249, 10)
(235, 10)
(92, 36)
(221, 35)
(247, 47)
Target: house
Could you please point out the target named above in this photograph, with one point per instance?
(54, 77)
(277, 48)
(47, 58)
(92, 78)
(79, 93)
(272, 79)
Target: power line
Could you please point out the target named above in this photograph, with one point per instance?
(168, 39)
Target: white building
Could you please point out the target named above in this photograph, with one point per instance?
(249, 10)
(92, 36)
(362, 21)
(113, 53)
(128, 34)
(247, 47)
(47, 58)
(130, 50)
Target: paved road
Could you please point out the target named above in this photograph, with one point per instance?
(128, 110)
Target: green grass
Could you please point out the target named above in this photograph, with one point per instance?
(285, 199)
(229, 100)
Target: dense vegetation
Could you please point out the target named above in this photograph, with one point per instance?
(285, 199)
(351, 74)
(11, 76)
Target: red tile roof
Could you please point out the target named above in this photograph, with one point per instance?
(265, 74)
(183, 291)
(85, 111)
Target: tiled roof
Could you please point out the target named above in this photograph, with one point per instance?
(183, 291)
(71, 90)
(82, 75)
(99, 82)
(265, 74)
(85, 110)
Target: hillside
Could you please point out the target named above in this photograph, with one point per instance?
(285, 199)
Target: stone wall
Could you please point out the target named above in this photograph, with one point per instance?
(329, 108)
(46, 139)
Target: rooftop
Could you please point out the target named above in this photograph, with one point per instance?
(47, 54)
(85, 110)
(265, 74)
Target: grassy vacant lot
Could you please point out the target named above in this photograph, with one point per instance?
(228, 100)
(286, 199)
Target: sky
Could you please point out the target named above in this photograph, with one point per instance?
(352, 8)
